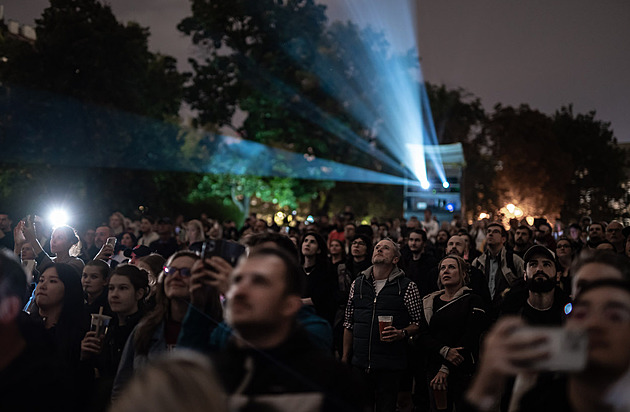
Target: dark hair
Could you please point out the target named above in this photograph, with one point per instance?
(605, 257)
(602, 283)
(420, 232)
(151, 219)
(279, 239)
(567, 239)
(321, 258)
(155, 262)
(525, 227)
(133, 237)
(295, 281)
(103, 268)
(70, 233)
(575, 226)
(139, 278)
(12, 277)
(73, 293)
(73, 320)
(503, 231)
(471, 241)
(343, 248)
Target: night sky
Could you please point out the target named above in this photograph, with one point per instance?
(543, 53)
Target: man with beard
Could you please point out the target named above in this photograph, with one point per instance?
(538, 300)
(522, 240)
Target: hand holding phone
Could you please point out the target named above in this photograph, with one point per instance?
(567, 348)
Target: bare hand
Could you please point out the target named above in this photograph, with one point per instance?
(18, 236)
(106, 252)
(505, 354)
(90, 345)
(454, 356)
(212, 274)
(438, 383)
(28, 231)
(391, 334)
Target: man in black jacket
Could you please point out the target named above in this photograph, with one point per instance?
(272, 364)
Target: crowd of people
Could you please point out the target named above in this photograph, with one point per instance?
(409, 315)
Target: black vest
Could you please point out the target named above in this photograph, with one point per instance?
(369, 351)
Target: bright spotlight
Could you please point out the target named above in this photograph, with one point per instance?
(445, 185)
(58, 217)
(450, 207)
(425, 185)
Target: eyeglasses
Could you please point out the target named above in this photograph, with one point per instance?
(171, 270)
(563, 246)
(358, 243)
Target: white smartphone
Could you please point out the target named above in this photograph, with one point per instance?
(568, 348)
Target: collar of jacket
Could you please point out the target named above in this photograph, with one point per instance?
(427, 301)
(395, 273)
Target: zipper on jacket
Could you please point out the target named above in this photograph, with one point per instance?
(371, 329)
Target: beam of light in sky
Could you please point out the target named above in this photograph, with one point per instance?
(400, 102)
(304, 108)
(397, 113)
(45, 128)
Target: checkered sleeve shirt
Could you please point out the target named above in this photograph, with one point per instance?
(412, 299)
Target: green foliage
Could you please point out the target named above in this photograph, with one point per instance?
(597, 165)
(82, 51)
(532, 168)
(240, 190)
(457, 114)
(564, 165)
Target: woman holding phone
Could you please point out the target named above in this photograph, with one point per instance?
(64, 244)
(157, 333)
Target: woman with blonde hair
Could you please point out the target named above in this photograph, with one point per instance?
(182, 381)
(194, 234)
(452, 323)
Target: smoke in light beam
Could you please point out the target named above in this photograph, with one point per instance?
(400, 103)
(155, 145)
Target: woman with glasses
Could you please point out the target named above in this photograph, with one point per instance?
(158, 331)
